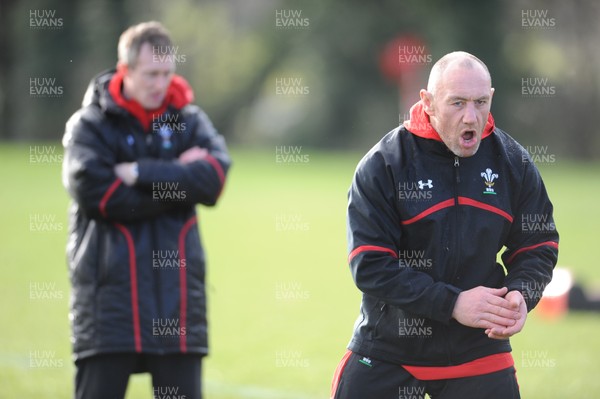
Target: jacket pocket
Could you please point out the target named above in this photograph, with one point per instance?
(115, 254)
(378, 328)
(410, 335)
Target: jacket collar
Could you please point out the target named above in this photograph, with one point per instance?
(179, 94)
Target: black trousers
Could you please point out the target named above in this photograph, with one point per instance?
(381, 380)
(175, 376)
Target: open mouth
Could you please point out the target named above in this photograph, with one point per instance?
(468, 138)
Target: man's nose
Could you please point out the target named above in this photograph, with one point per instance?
(162, 82)
(470, 115)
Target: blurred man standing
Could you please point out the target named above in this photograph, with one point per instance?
(138, 158)
(429, 208)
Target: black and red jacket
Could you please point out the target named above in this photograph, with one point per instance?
(424, 225)
(135, 257)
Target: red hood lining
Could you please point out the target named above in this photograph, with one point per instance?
(179, 94)
(419, 124)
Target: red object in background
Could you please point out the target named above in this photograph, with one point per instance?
(402, 61)
(401, 57)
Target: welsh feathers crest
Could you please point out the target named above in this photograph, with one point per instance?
(489, 178)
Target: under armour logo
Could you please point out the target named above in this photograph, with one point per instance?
(422, 185)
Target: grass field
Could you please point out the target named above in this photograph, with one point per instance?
(281, 300)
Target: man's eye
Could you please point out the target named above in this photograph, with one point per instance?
(457, 103)
(481, 102)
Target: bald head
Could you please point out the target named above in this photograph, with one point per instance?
(458, 100)
(458, 59)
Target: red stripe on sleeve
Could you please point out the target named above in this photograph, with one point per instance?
(219, 169)
(518, 251)
(109, 192)
(364, 248)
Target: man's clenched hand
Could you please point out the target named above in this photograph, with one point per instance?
(488, 308)
(127, 171)
(517, 302)
(193, 154)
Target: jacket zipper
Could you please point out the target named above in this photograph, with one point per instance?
(456, 173)
(457, 219)
(456, 233)
(381, 313)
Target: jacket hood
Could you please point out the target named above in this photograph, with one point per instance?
(419, 124)
(105, 90)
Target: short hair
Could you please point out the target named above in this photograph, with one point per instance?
(132, 39)
(464, 59)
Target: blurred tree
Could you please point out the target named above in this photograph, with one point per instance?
(555, 43)
(351, 103)
(53, 50)
(227, 72)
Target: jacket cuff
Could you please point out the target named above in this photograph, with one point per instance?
(532, 294)
(144, 178)
(445, 303)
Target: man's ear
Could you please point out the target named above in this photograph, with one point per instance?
(427, 100)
